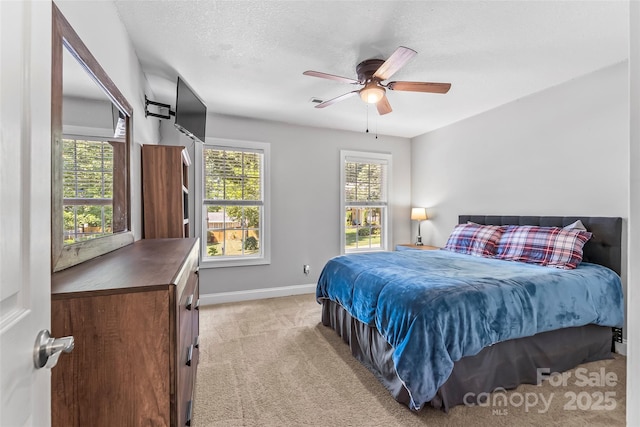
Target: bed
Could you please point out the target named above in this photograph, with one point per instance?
(442, 328)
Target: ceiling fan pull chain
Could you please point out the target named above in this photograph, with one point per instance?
(376, 128)
(367, 131)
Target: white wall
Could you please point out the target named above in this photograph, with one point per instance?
(562, 151)
(633, 292)
(82, 116)
(99, 26)
(305, 197)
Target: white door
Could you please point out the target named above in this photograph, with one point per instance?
(25, 203)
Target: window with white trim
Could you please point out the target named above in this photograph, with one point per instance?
(88, 187)
(235, 203)
(364, 201)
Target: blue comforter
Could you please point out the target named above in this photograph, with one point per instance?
(435, 307)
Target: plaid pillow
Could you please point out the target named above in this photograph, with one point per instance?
(549, 246)
(474, 239)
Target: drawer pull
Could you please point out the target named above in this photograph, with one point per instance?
(189, 412)
(198, 304)
(189, 302)
(197, 342)
(197, 271)
(189, 355)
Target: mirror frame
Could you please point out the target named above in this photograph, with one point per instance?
(64, 256)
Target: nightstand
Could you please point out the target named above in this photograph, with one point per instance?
(410, 246)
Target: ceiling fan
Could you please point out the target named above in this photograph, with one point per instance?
(371, 73)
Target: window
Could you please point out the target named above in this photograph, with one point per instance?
(235, 203)
(364, 211)
(87, 187)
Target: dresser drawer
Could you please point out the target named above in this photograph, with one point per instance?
(187, 314)
(185, 274)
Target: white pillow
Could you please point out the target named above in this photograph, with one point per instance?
(578, 225)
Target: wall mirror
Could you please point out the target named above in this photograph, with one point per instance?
(91, 131)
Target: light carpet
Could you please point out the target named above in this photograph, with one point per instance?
(271, 362)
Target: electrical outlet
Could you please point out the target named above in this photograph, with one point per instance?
(306, 269)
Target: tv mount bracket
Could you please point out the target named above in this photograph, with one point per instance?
(148, 102)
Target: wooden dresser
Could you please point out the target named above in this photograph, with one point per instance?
(134, 316)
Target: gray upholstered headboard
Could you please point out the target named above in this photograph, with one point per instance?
(604, 247)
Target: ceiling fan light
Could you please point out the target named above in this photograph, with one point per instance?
(372, 93)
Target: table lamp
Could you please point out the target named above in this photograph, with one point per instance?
(419, 214)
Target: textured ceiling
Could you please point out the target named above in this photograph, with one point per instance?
(246, 58)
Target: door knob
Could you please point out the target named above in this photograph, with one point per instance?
(47, 350)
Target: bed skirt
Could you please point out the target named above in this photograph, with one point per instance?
(503, 365)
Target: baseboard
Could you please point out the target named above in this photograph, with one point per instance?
(253, 294)
(621, 347)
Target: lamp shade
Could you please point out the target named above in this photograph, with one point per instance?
(419, 214)
(371, 93)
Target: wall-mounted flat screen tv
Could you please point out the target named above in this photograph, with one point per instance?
(191, 112)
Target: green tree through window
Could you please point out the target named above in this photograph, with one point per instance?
(233, 201)
(87, 187)
(364, 201)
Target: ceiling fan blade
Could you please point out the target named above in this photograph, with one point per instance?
(401, 56)
(420, 87)
(330, 77)
(383, 106)
(336, 99)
